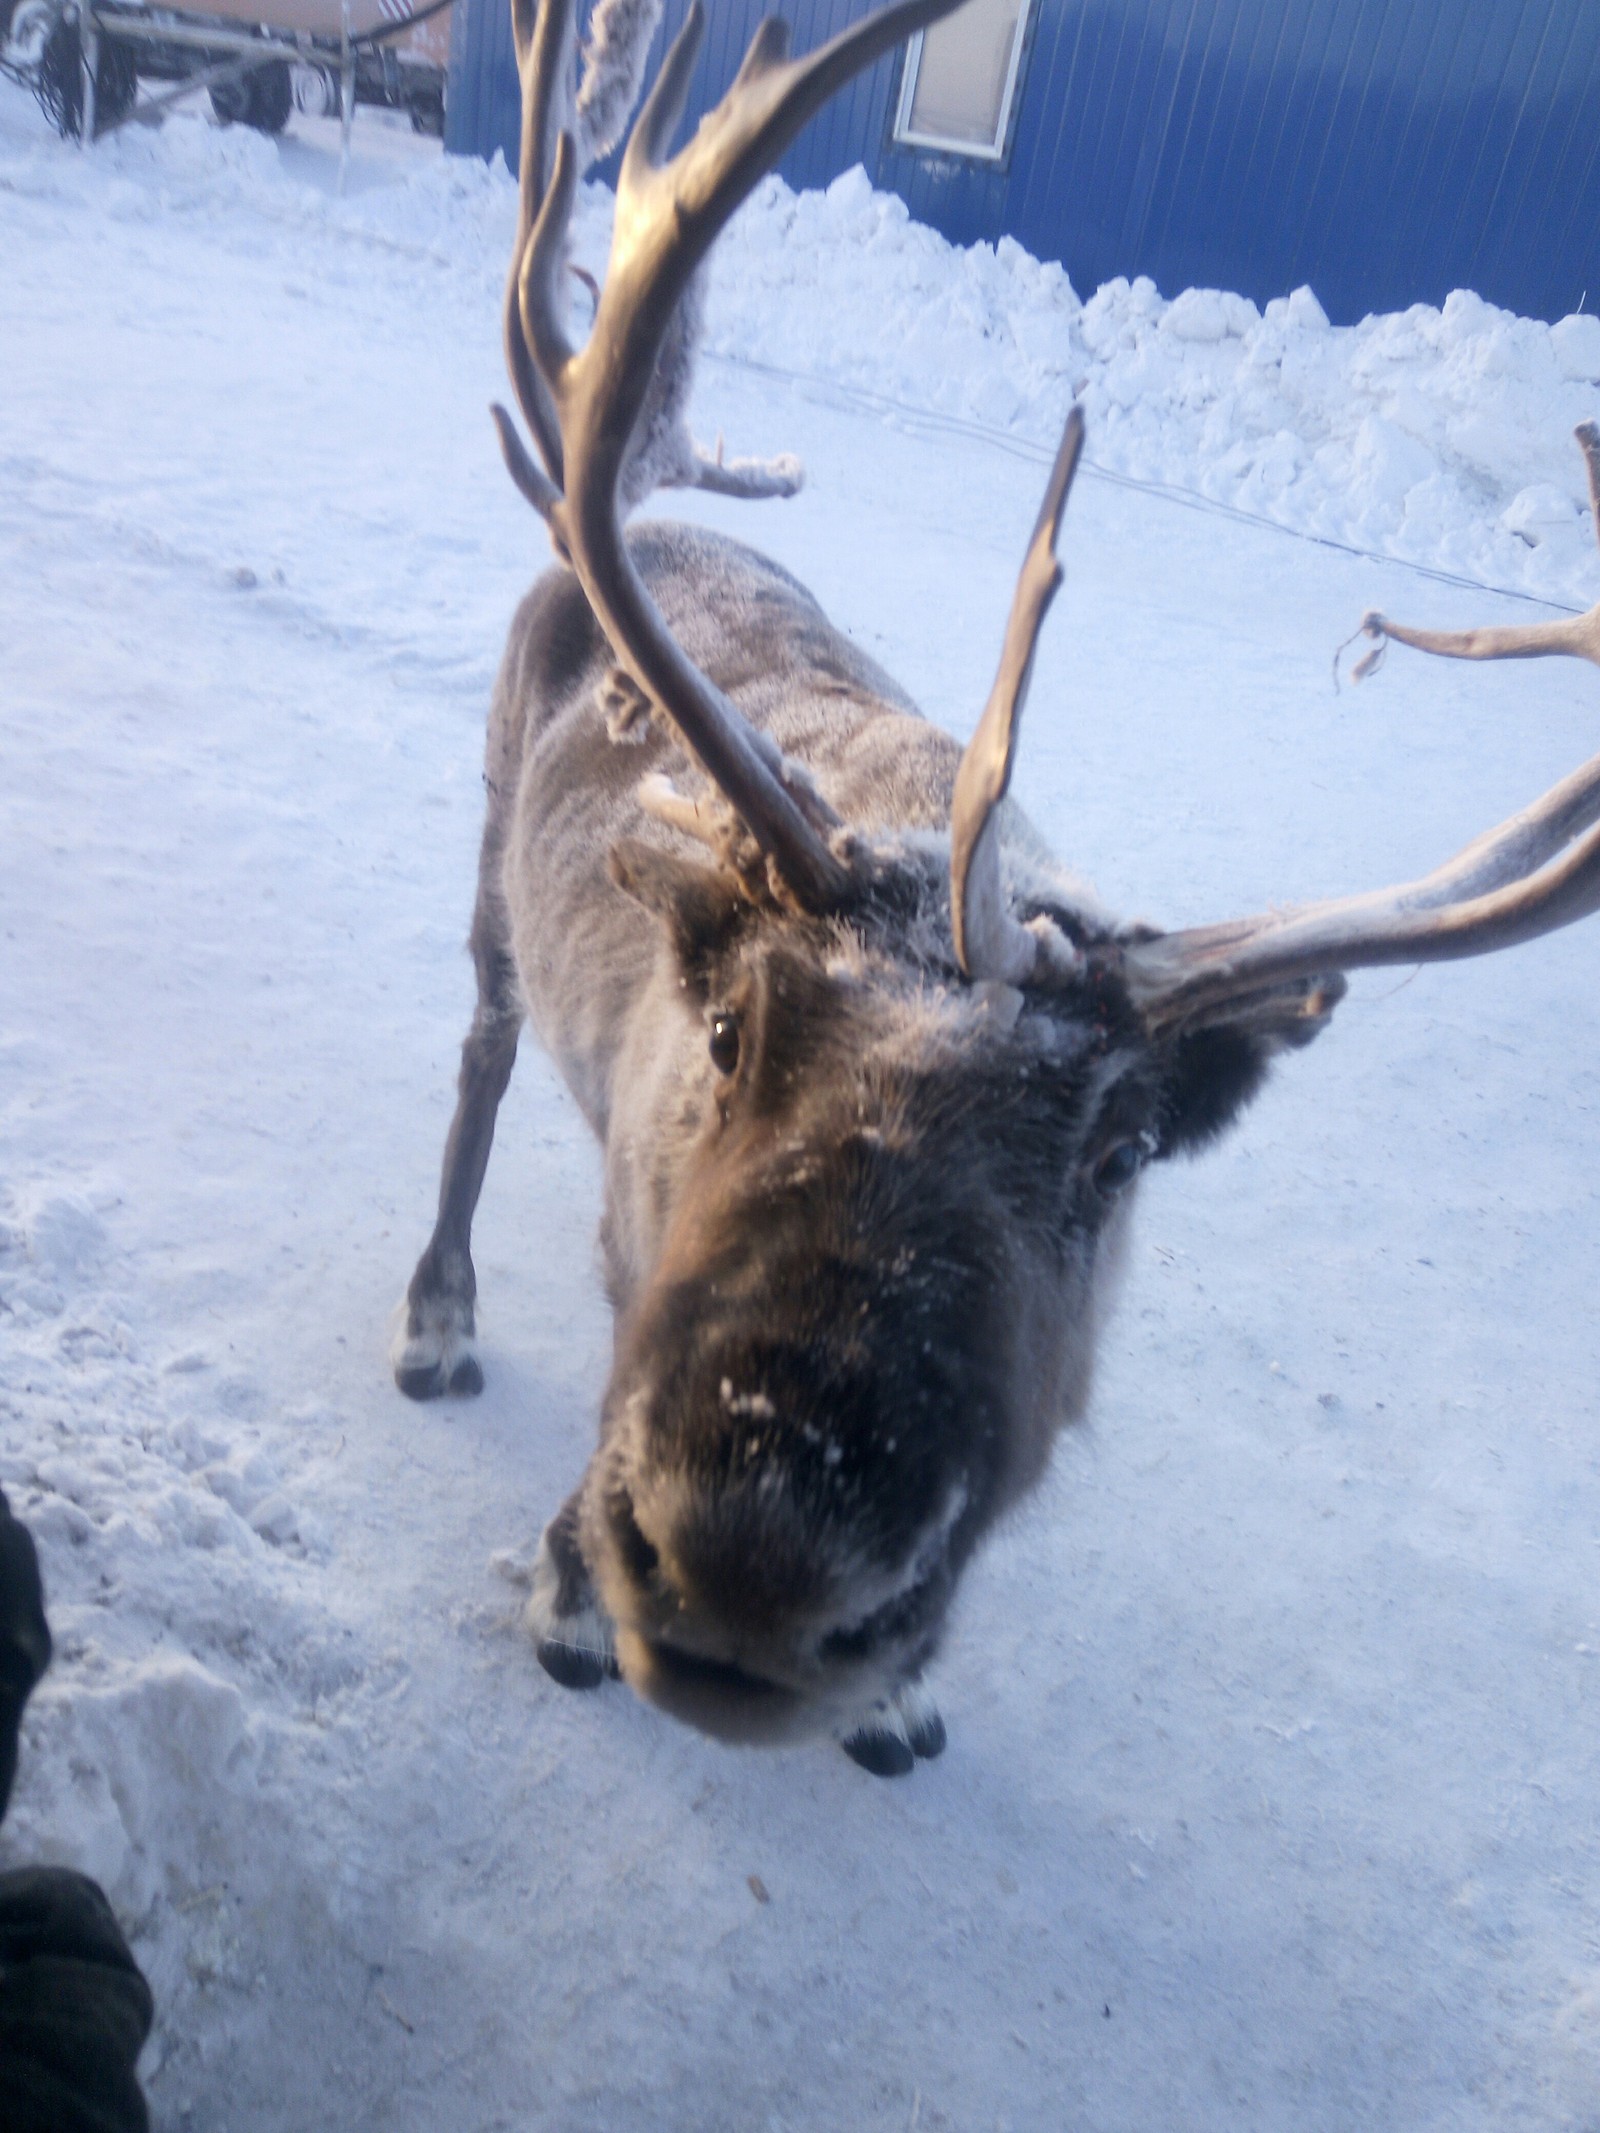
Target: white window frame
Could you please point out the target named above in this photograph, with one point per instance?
(994, 152)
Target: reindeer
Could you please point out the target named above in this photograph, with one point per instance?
(874, 1076)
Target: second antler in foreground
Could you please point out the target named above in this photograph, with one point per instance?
(874, 1077)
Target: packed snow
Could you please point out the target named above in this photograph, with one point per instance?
(1274, 1750)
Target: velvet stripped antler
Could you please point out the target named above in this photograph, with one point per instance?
(1537, 871)
(587, 406)
(586, 409)
(584, 406)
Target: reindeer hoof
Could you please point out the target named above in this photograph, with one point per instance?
(439, 1357)
(565, 1663)
(904, 1727)
(928, 1737)
(423, 1381)
(466, 1380)
(886, 1755)
(572, 1638)
(432, 1381)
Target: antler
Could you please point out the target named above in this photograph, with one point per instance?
(1536, 872)
(595, 110)
(990, 943)
(1532, 875)
(585, 407)
(545, 44)
(1576, 635)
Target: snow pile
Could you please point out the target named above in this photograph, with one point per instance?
(446, 208)
(1441, 436)
(162, 1765)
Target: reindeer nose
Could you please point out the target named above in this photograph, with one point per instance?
(716, 1695)
(705, 1614)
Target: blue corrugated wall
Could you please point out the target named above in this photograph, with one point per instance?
(1385, 151)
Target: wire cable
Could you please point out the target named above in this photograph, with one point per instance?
(929, 421)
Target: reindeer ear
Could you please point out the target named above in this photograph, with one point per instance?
(700, 905)
(1212, 1074)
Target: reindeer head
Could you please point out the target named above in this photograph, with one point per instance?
(885, 1209)
(908, 1094)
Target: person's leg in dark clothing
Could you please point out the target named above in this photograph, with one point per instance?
(74, 2009)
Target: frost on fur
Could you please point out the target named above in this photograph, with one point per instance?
(614, 55)
(596, 107)
(666, 455)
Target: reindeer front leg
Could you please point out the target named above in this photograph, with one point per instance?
(435, 1352)
(572, 1635)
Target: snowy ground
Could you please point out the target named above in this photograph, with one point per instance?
(1275, 1750)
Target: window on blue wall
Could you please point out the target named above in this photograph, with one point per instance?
(960, 80)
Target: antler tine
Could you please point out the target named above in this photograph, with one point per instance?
(534, 483)
(1532, 875)
(989, 941)
(545, 43)
(1577, 636)
(1511, 852)
(668, 215)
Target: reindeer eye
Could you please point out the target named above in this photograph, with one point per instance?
(724, 1043)
(1117, 1169)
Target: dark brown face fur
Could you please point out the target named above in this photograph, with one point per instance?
(875, 1301)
